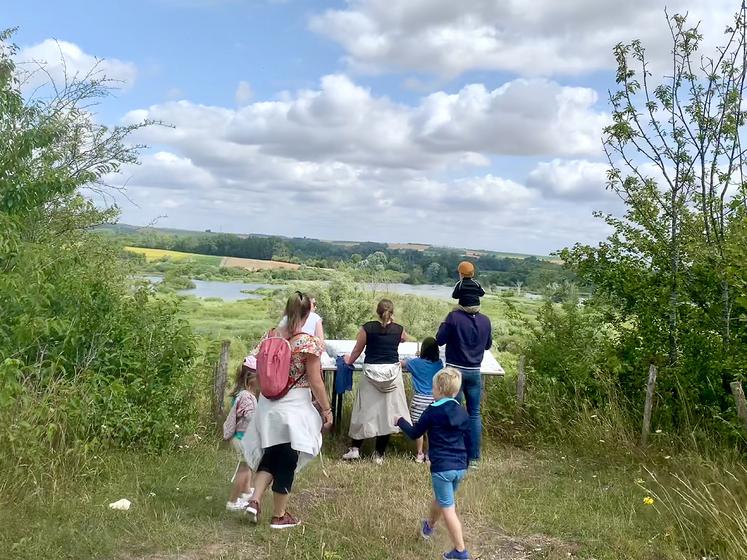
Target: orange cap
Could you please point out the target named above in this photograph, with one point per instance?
(466, 269)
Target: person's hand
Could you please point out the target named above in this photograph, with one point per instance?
(327, 420)
(346, 359)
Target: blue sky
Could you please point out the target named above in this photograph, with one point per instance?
(475, 126)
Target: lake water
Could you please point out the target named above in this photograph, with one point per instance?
(234, 291)
(227, 291)
(425, 290)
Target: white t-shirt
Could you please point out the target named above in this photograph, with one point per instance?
(309, 326)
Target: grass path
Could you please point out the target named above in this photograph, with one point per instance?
(518, 505)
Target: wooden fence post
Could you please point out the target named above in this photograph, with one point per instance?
(650, 386)
(521, 380)
(219, 382)
(738, 392)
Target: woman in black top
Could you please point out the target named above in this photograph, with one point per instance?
(381, 393)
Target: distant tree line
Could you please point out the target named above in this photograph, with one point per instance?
(433, 266)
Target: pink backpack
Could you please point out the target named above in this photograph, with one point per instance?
(273, 366)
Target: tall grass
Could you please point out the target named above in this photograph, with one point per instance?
(707, 499)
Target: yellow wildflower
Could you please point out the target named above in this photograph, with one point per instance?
(648, 500)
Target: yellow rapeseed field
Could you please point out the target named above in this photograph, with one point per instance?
(155, 254)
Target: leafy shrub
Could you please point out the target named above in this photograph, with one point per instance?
(85, 361)
(575, 348)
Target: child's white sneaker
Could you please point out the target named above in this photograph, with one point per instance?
(420, 458)
(378, 459)
(246, 496)
(353, 454)
(238, 505)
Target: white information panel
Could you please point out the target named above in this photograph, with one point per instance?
(490, 365)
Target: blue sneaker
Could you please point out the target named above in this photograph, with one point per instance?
(456, 555)
(426, 531)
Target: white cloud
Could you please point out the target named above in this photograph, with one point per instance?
(523, 117)
(244, 93)
(343, 121)
(540, 38)
(62, 60)
(341, 162)
(571, 179)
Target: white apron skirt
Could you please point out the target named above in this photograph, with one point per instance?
(292, 419)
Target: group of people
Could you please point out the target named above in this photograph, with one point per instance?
(277, 436)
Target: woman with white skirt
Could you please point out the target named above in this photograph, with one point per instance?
(381, 392)
(285, 434)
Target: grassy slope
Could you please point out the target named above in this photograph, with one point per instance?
(519, 504)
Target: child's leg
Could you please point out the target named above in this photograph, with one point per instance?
(454, 526)
(434, 514)
(445, 485)
(419, 445)
(248, 478)
(242, 484)
(243, 476)
(238, 485)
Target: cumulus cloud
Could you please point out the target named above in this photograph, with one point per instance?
(570, 179)
(522, 117)
(62, 60)
(341, 162)
(540, 38)
(343, 121)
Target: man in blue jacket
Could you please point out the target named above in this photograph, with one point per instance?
(467, 336)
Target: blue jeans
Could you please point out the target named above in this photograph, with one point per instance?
(472, 391)
(445, 485)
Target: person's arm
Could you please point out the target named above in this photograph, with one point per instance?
(244, 406)
(360, 344)
(405, 337)
(414, 432)
(489, 342)
(319, 330)
(480, 290)
(316, 382)
(442, 335)
(455, 293)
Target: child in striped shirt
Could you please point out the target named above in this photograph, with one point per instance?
(422, 370)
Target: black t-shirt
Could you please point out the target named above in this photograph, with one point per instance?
(382, 342)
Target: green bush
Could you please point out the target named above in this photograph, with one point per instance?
(575, 348)
(86, 360)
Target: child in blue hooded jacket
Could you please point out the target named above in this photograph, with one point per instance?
(447, 425)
